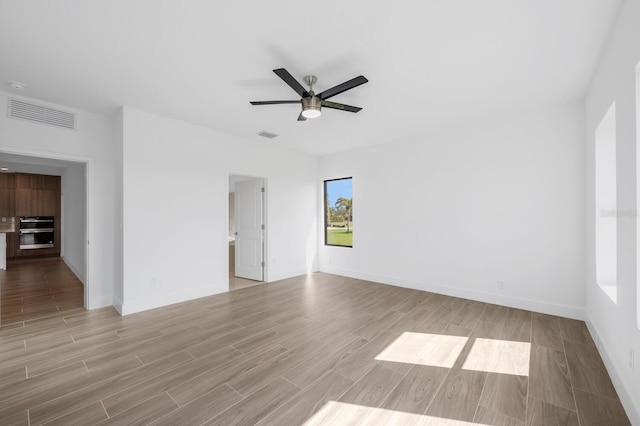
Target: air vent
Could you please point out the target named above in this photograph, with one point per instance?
(41, 114)
(266, 134)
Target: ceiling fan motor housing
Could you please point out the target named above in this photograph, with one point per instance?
(311, 106)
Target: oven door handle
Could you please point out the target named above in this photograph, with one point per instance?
(35, 230)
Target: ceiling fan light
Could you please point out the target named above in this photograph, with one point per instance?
(311, 112)
(311, 107)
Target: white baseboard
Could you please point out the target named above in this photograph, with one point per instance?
(75, 270)
(566, 311)
(286, 274)
(158, 301)
(100, 302)
(631, 404)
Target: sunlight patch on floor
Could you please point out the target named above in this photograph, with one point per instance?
(337, 413)
(425, 349)
(499, 356)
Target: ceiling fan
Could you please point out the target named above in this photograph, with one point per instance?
(312, 103)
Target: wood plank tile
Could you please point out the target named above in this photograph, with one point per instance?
(483, 330)
(91, 414)
(415, 299)
(202, 408)
(141, 414)
(458, 396)
(11, 375)
(267, 337)
(416, 390)
(361, 361)
(549, 377)
(506, 394)
(321, 362)
(21, 418)
(588, 372)
(249, 381)
(540, 413)
(306, 403)
(253, 408)
(373, 328)
(486, 416)
(373, 388)
(113, 363)
(597, 411)
(546, 331)
(87, 350)
(77, 394)
(192, 388)
(517, 326)
(46, 381)
(136, 394)
(469, 315)
(437, 321)
(575, 331)
(205, 347)
(494, 314)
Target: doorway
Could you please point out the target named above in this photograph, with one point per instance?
(35, 285)
(246, 231)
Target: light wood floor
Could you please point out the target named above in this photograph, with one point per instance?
(320, 349)
(38, 287)
(236, 283)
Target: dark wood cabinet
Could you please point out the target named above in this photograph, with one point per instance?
(31, 195)
(37, 202)
(31, 181)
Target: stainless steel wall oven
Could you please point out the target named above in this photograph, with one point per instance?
(36, 232)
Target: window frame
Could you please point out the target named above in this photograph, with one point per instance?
(326, 210)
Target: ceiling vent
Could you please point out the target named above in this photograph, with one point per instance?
(266, 134)
(41, 114)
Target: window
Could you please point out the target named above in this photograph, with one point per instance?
(338, 212)
(606, 208)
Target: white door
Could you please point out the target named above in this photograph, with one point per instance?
(249, 229)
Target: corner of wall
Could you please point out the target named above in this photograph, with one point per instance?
(631, 404)
(77, 272)
(117, 304)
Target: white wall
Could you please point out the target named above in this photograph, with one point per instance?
(74, 218)
(615, 325)
(93, 143)
(456, 212)
(175, 179)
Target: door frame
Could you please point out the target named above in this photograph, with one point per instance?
(89, 179)
(265, 218)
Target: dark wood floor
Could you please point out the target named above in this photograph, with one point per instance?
(319, 349)
(38, 287)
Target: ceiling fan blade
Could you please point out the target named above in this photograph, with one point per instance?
(273, 102)
(343, 107)
(347, 85)
(292, 82)
(302, 117)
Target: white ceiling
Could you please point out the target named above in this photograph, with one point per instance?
(430, 64)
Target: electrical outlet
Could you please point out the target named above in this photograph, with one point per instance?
(152, 282)
(501, 285)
